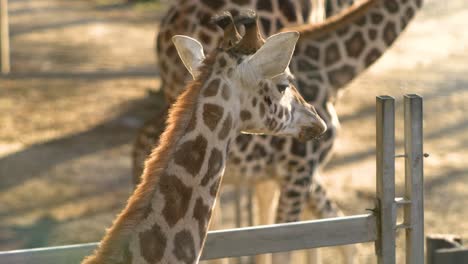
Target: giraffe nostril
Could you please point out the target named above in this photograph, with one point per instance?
(311, 132)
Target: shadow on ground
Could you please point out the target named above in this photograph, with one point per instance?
(32, 161)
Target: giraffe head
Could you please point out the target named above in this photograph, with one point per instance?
(254, 73)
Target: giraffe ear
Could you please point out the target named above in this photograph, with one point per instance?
(190, 52)
(274, 56)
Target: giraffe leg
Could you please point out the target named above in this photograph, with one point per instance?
(311, 256)
(266, 195)
(294, 192)
(215, 224)
(322, 206)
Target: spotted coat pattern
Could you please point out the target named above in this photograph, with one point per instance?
(167, 217)
(183, 212)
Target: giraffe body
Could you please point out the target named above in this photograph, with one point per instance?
(167, 217)
(192, 17)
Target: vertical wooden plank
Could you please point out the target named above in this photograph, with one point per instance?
(250, 206)
(4, 38)
(414, 212)
(238, 215)
(385, 119)
(250, 216)
(238, 205)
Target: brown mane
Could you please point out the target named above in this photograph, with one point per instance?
(113, 245)
(333, 23)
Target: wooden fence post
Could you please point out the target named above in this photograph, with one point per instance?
(414, 211)
(4, 38)
(385, 124)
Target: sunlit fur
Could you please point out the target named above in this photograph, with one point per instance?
(331, 24)
(112, 246)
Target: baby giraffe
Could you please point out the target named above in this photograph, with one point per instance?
(243, 86)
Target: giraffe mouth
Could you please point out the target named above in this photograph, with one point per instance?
(308, 133)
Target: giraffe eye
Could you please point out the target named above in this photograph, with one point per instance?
(282, 87)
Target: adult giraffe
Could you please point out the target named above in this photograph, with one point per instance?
(193, 18)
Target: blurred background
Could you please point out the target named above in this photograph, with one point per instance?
(84, 79)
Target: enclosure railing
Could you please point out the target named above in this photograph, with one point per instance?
(445, 249)
(380, 226)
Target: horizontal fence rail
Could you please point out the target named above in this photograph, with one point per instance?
(70, 254)
(234, 242)
(292, 236)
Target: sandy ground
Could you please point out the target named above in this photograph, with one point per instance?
(79, 90)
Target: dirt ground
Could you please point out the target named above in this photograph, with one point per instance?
(80, 88)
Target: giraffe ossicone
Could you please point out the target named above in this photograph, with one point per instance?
(167, 217)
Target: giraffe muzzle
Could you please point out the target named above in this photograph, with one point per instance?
(311, 132)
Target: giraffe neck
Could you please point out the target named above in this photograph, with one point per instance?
(330, 55)
(167, 217)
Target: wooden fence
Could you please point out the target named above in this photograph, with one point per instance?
(4, 38)
(380, 226)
